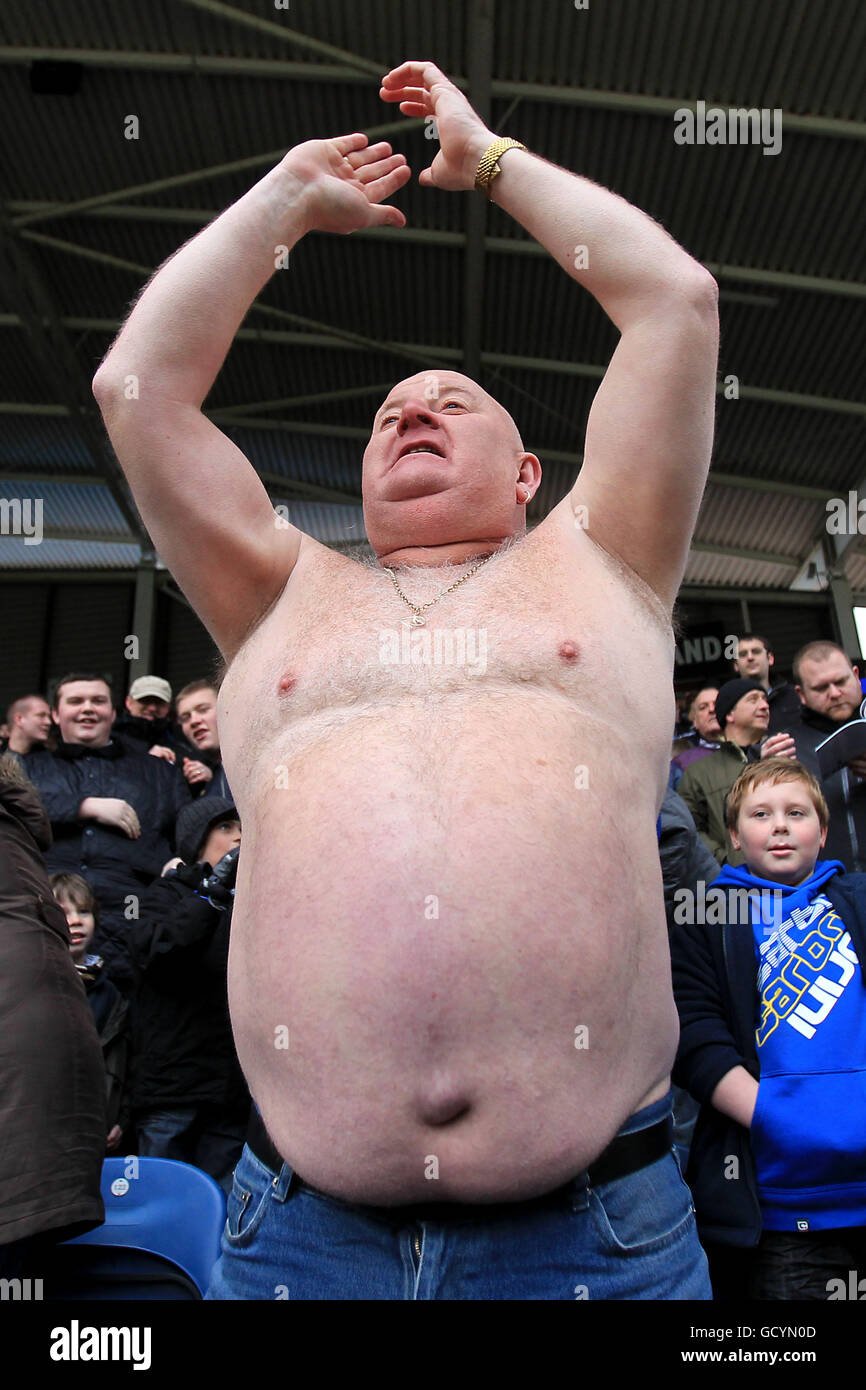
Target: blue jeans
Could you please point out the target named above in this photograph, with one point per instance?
(633, 1238)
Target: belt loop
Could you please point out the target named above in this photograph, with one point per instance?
(579, 1192)
(281, 1185)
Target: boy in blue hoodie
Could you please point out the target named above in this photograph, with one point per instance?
(772, 1008)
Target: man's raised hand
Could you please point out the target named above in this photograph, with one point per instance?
(423, 90)
(344, 182)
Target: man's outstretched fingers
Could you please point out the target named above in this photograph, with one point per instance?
(413, 74)
(379, 189)
(346, 143)
(372, 173)
(418, 95)
(358, 158)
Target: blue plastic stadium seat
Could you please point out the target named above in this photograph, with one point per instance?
(161, 1237)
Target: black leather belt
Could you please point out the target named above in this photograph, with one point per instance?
(625, 1154)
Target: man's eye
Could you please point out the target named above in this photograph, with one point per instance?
(386, 420)
(458, 404)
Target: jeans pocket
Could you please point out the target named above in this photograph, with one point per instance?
(645, 1211)
(252, 1188)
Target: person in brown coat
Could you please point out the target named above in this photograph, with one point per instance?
(52, 1083)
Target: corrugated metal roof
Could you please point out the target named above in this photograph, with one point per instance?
(757, 521)
(797, 213)
(726, 571)
(15, 554)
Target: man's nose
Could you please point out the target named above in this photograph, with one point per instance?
(416, 413)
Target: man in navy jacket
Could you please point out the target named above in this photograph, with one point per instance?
(112, 812)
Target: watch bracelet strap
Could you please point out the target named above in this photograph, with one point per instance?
(488, 166)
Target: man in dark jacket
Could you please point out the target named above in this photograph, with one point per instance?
(829, 687)
(145, 721)
(197, 720)
(52, 1100)
(754, 662)
(189, 1096)
(112, 812)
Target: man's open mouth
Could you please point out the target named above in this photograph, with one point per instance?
(423, 447)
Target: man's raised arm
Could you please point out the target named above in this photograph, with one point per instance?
(201, 500)
(650, 429)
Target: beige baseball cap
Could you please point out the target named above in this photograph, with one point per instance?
(150, 685)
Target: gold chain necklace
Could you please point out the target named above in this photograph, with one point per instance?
(420, 609)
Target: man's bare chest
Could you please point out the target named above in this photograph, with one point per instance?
(535, 617)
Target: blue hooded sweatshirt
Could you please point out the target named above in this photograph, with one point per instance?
(808, 1133)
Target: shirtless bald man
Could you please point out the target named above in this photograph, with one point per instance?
(449, 974)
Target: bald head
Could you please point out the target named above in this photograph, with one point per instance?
(434, 385)
(445, 466)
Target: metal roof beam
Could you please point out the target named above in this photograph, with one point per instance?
(420, 236)
(186, 64)
(783, 597)
(66, 533)
(429, 354)
(290, 36)
(20, 474)
(352, 68)
(234, 166)
(638, 103)
(768, 557)
(289, 402)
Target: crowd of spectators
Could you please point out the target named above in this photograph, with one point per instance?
(130, 813)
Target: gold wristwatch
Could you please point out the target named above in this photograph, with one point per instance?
(489, 166)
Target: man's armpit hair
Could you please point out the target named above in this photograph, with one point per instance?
(219, 670)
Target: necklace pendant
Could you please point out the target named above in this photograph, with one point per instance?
(418, 621)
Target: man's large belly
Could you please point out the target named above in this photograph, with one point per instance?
(449, 971)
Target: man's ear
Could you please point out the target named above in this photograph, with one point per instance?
(771, 661)
(799, 690)
(54, 718)
(128, 703)
(529, 472)
(735, 839)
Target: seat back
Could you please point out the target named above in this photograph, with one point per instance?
(167, 1212)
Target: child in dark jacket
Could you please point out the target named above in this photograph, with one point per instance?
(189, 1098)
(769, 988)
(110, 1009)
